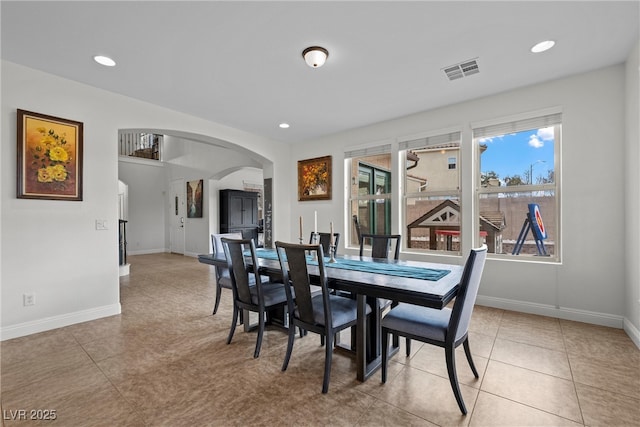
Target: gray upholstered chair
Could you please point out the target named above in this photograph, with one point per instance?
(252, 295)
(447, 328)
(223, 280)
(319, 312)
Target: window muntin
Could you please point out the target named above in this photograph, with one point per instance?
(518, 168)
(432, 205)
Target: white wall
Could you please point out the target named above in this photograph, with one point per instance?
(196, 229)
(632, 195)
(51, 248)
(146, 230)
(589, 284)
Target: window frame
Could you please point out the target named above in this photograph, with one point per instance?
(516, 124)
(358, 157)
(437, 140)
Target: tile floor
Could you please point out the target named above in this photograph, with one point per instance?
(164, 362)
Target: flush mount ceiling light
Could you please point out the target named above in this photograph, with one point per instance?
(104, 60)
(284, 125)
(315, 56)
(542, 46)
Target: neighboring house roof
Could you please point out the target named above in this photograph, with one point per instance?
(447, 214)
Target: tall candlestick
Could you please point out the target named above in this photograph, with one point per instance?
(300, 226)
(331, 231)
(315, 221)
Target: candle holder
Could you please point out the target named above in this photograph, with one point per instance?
(332, 254)
(314, 241)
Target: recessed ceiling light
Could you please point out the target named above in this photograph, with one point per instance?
(284, 125)
(104, 60)
(542, 46)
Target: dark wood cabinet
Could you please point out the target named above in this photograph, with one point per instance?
(239, 213)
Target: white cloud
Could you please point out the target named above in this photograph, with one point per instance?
(546, 134)
(535, 142)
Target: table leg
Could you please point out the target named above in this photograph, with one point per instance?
(361, 339)
(368, 339)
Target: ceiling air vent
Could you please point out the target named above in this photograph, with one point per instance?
(462, 69)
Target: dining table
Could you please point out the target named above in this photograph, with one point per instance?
(368, 279)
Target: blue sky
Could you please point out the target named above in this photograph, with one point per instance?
(513, 154)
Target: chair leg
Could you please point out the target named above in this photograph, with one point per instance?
(234, 320)
(218, 294)
(385, 354)
(467, 351)
(450, 356)
(408, 345)
(287, 356)
(328, 356)
(256, 353)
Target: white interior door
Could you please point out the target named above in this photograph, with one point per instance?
(178, 213)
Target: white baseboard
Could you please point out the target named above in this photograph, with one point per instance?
(125, 269)
(48, 323)
(161, 251)
(632, 331)
(585, 316)
(147, 251)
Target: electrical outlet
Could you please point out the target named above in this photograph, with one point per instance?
(29, 299)
(101, 224)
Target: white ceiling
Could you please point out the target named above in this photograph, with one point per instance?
(239, 63)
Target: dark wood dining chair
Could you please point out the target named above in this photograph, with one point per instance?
(223, 279)
(325, 241)
(320, 312)
(258, 297)
(381, 244)
(447, 328)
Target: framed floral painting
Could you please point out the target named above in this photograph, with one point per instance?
(314, 179)
(49, 157)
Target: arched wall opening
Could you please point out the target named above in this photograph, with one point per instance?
(187, 156)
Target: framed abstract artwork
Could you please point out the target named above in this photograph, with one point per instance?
(49, 157)
(194, 199)
(314, 179)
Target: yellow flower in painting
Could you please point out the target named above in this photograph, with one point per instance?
(44, 175)
(58, 172)
(58, 154)
(50, 154)
(48, 140)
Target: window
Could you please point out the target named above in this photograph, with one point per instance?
(452, 162)
(518, 167)
(370, 195)
(432, 193)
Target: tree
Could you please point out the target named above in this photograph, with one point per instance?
(486, 176)
(513, 180)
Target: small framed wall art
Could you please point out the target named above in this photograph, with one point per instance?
(194, 199)
(314, 179)
(49, 157)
